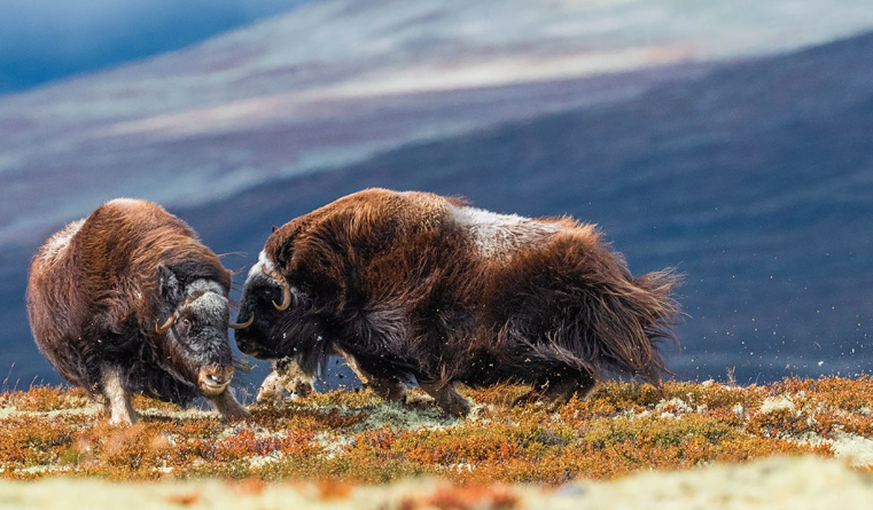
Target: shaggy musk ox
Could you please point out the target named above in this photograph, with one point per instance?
(127, 300)
(414, 285)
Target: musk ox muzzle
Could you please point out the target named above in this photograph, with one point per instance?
(214, 379)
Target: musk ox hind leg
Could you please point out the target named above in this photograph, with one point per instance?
(227, 405)
(117, 398)
(563, 386)
(559, 387)
(445, 395)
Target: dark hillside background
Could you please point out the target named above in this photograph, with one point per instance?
(756, 182)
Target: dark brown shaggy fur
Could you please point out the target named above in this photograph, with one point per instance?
(418, 285)
(94, 300)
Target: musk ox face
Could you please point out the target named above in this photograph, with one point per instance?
(196, 331)
(268, 302)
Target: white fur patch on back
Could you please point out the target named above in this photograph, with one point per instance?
(125, 202)
(499, 235)
(58, 243)
(263, 267)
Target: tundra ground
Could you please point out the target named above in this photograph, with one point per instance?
(341, 441)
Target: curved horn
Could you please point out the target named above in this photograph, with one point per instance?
(286, 295)
(244, 325)
(166, 325)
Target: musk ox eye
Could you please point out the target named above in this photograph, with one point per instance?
(185, 325)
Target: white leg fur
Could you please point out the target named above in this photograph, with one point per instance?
(227, 405)
(290, 378)
(272, 389)
(117, 399)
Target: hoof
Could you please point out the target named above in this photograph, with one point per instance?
(236, 414)
(123, 421)
(457, 408)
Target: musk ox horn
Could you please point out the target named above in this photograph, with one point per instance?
(161, 329)
(286, 296)
(244, 325)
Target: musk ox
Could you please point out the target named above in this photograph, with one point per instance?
(415, 285)
(128, 300)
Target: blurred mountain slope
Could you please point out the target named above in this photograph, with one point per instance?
(334, 82)
(756, 181)
(45, 40)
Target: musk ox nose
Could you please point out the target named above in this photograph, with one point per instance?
(213, 379)
(245, 345)
(251, 349)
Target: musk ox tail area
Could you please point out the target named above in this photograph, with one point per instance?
(640, 318)
(587, 314)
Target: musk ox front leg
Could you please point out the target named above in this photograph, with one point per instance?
(117, 398)
(227, 405)
(447, 397)
(389, 389)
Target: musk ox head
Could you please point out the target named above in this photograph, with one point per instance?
(193, 335)
(282, 322)
(267, 297)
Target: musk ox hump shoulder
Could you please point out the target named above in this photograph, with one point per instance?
(58, 243)
(127, 202)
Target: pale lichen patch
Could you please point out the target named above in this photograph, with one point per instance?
(399, 418)
(778, 403)
(858, 450)
(672, 408)
(333, 444)
(775, 483)
(258, 461)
